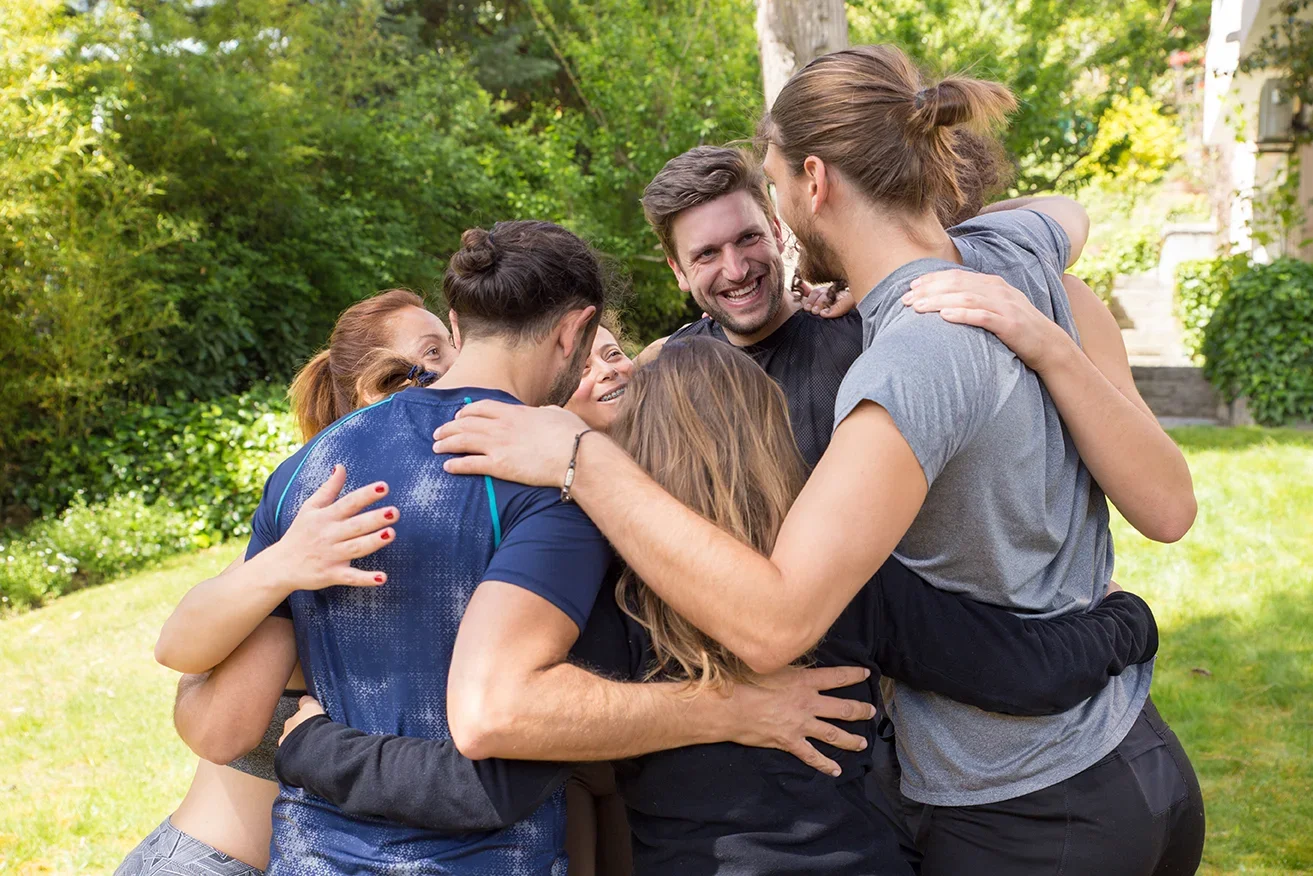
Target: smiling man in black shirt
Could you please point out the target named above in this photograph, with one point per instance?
(713, 215)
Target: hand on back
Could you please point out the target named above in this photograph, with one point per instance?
(827, 301)
(331, 530)
(786, 710)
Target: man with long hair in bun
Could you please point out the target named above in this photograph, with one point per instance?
(982, 460)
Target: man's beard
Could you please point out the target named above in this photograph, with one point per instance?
(567, 380)
(817, 261)
(772, 285)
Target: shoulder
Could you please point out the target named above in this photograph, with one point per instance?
(698, 328)
(1021, 229)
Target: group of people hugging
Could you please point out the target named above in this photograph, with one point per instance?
(819, 584)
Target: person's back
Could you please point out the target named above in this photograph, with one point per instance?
(1030, 525)
(378, 657)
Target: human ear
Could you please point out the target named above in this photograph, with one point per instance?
(679, 275)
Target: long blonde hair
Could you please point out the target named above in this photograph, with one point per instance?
(713, 429)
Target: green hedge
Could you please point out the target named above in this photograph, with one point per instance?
(88, 544)
(162, 479)
(209, 458)
(1199, 287)
(1259, 342)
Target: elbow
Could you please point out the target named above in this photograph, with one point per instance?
(1174, 528)
(482, 723)
(221, 745)
(172, 657)
(767, 654)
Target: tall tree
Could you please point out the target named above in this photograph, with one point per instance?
(792, 32)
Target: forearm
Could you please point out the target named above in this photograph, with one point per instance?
(423, 783)
(225, 712)
(989, 658)
(1134, 461)
(566, 713)
(219, 613)
(1009, 204)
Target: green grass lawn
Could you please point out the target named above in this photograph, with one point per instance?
(89, 762)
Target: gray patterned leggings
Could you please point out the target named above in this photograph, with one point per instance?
(170, 852)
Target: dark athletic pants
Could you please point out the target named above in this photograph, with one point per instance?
(597, 837)
(1137, 812)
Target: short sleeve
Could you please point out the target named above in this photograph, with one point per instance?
(940, 382)
(264, 531)
(1035, 232)
(556, 552)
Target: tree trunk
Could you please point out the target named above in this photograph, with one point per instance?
(792, 32)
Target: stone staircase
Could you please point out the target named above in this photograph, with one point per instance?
(1171, 385)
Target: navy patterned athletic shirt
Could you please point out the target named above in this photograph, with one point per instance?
(378, 658)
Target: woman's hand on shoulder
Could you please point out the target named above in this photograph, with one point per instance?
(991, 303)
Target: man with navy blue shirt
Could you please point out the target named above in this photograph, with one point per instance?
(378, 657)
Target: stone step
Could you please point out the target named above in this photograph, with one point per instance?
(1178, 393)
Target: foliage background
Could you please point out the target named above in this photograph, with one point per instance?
(190, 192)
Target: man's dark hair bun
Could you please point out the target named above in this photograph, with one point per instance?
(476, 253)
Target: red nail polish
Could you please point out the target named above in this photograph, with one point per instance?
(380, 488)
(385, 536)
(378, 579)
(388, 515)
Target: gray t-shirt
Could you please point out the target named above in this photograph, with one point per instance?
(1012, 518)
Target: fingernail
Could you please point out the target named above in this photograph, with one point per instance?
(866, 673)
(835, 772)
(378, 579)
(907, 298)
(388, 515)
(916, 282)
(385, 535)
(863, 748)
(380, 488)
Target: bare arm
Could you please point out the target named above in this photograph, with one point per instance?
(223, 714)
(856, 506)
(1134, 461)
(512, 695)
(219, 613)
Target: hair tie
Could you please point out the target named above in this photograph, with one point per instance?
(921, 97)
(421, 376)
(490, 242)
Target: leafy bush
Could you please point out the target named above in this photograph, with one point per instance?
(1119, 254)
(87, 544)
(1259, 342)
(209, 460)
(1200, 285)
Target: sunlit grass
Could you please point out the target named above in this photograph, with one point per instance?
(89, 762)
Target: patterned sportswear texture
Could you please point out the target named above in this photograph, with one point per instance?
(377, 658)
(170, 852)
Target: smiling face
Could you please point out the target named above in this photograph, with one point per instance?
(602, 386)
(420, 337)
(729, 257)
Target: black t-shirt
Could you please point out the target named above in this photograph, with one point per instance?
(728, 809)
(808, 357)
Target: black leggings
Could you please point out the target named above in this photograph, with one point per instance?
(1137, 812)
